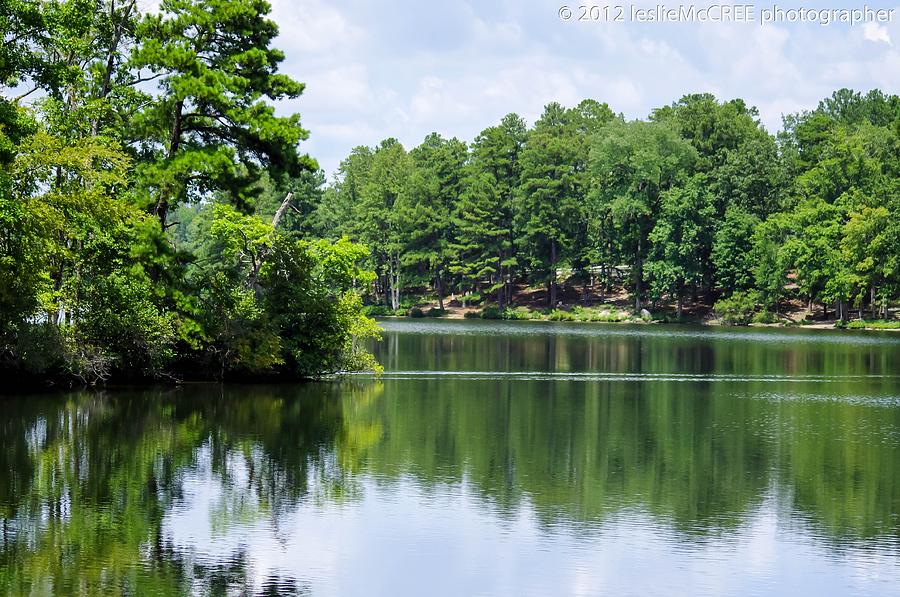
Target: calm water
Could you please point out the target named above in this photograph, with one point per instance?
(491, 459)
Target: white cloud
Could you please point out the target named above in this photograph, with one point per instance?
(877, 33)
(404, 69)
(341, 87)
(313, 27)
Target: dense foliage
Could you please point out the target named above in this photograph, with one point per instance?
(695, 203)
(111, 121)
(157, 217)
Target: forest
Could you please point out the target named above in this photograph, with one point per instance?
(159, 221)
(695, 205)
(110, 120)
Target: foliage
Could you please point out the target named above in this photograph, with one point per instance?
(698, 201)
(680, 240)
(209, 128)
(731, 256)
(491, 312)
(738, 309)
(873, 325)
(560, 315)
(138, 116)
(157, 216)
(274, 303)
(483, 246)
(765, 317)
(633, 165)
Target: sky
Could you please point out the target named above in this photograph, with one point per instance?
(405, 68)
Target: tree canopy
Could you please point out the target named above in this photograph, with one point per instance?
(110, 121)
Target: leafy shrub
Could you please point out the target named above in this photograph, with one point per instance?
(472, 315)
(416, 313)
(765, 316)
(38, 349)
(521, 313)
(491, 312)
(608, 317)
(559, 315)
(408, 302)
(873, 325)
(132, 335)
(738, 309)
(376, 311)
(435, 312)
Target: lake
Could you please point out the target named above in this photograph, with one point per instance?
(519, 458)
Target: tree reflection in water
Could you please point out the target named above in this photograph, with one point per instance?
(167, 492)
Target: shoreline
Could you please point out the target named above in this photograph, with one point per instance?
(622, 317)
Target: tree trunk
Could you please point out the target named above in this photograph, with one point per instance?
(264, 250)
(637, 283)
(440, 290)
(106, 87)
(680, 308)
(508, 285)
(162, 204)
(394, 274)
(552, 273)
(502, 283)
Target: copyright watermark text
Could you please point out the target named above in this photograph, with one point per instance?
(723, 13)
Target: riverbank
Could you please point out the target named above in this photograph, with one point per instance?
(616, 305)
(614, 313)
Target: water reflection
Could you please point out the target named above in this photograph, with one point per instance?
(701, 468)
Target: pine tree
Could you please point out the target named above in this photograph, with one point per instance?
(378, 221)
(426, 210)
(483, 247)
(209, 127)
(549, 204)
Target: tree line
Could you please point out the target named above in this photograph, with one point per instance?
(158, 218)
(110, 121)
(696, 202)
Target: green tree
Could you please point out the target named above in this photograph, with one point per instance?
(549, 206)
(771, 265)
(632, 165)
(732, 251)
(869, 248)
(91, 168)
(335, 214)
(714, 129)
(680, 240)
(377, 222)
(484, 243)
(300, 220)
(273, 303)
(426, 209)
(209, 127)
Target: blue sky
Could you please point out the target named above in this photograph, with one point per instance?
(404, 68)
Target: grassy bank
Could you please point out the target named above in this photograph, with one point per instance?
(612, 313)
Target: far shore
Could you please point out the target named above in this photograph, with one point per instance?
(615, 313)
